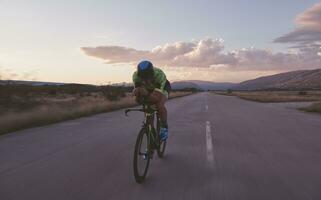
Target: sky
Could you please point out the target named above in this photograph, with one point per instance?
(101, 41)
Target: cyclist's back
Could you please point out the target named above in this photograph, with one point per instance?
(159, 83)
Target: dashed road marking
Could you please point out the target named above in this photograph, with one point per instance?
(209, 143)
(206, 104)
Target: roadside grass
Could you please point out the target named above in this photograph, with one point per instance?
(25, 97)
(280, 96)
(56, 108)
(315, 107)
(275, 96)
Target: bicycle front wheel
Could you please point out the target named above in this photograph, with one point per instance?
(141, 156)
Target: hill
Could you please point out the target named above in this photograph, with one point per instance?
(31, 83)
(201, 85)
(295, 80)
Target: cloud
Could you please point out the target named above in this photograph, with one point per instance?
(205, 53)
(256, 59)
(310, 18)
(308, 31)
(115, 54)
(209, 53)
(9, 74)
(201, 53)
(306, 38)
(217, 75)
(6, 74)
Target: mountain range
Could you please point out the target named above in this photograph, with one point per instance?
(33, 83)
(294, 80)
(202, 85)
(301, 79)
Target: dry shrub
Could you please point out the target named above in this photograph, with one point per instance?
(316, 107)
(56, 111)
(278, 96)
(47, 114)
(179, 94)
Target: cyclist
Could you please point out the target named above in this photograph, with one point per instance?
(152, 87)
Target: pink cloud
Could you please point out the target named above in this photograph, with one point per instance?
(202, 53)
(310, 18)
(208, 53)
(308, 31)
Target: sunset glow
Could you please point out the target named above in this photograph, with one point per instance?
(100, 42)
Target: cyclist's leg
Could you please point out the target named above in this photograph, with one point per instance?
(159, 100)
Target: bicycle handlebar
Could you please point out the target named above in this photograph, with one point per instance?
(148, 109)
(129, 110)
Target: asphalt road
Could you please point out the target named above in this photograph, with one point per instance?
(219, 147)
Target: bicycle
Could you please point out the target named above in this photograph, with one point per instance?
(147, 141)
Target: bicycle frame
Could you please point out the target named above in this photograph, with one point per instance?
(153, 141)
(150, 113)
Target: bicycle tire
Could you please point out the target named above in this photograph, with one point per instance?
(140, 177)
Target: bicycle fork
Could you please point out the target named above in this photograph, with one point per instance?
(152, 145)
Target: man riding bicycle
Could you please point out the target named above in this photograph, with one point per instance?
(152, 87)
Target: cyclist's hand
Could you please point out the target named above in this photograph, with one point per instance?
(135, 92)
(140, 91)
(144, 92)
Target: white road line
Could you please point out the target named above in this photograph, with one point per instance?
(206, 105)
(209, 143)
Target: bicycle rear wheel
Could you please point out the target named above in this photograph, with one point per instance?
(141, 156)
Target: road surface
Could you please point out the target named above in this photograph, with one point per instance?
(220, 147)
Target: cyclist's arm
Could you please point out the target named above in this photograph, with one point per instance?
(161, 79)
(136, 80)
